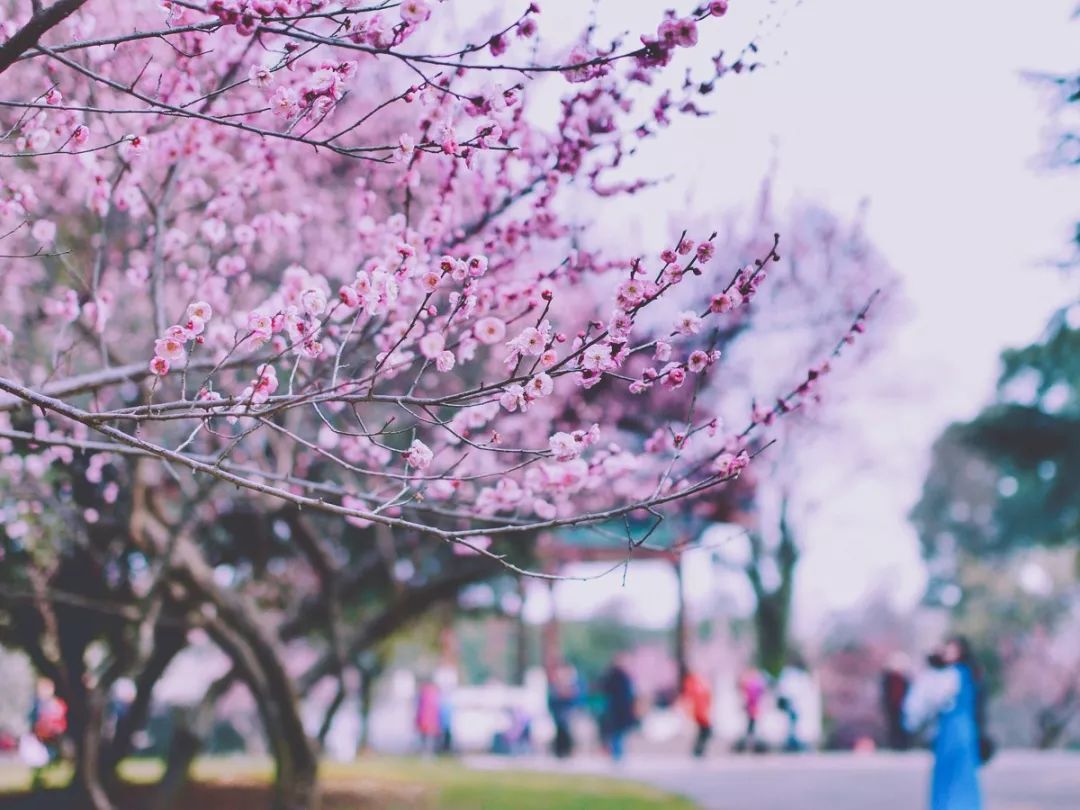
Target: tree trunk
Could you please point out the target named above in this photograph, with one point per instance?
(192, 728)
(682, 625)
(256, 654)
(772, 614)
(86, 784)
(367, 688)
(771, 623)
(550, 642)
(521, 637)
(168, 642)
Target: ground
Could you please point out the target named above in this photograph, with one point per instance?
(1013, 781)
(376, 784)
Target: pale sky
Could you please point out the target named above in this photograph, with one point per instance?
(919, 107)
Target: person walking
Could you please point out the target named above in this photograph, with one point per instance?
(697, 698)
(48, 725)
(950, 693)
(793, 689)
(564, 696)
(428, 725)
(895, 684)
(752, 687)
(619, 709)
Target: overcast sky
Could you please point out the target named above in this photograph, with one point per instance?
(920, 108)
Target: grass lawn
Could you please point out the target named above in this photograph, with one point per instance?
(375, 783)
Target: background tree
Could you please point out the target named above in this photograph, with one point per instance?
(1001, 491)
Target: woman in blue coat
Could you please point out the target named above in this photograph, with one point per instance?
(949, 693)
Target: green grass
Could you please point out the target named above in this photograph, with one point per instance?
(412, 784)
(456, 788)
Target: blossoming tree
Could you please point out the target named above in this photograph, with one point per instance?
(267, 260)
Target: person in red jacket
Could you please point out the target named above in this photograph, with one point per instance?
(697, 698)
(48, 723)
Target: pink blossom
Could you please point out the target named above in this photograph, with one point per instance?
(489, 330)
(721, 303)
(260, 76)
(532, 341)
(193, 327)
(43, 231)
(597, 357)
(672, 375)
(39, 139)
(663, 351)
(81, 134)
(718, 8)
(544, 509)
(513, 398)
(65, 307)
(698, 361)
(415, 11)
(283, 102)
(313, 301)
(563, 446)
(686, 33)
(687, 323)
(322, 82)
(171, 348)
(349, 502)
(201, 310)
(419, 455)
(526, 28)
(540, 386)
(133, 146)
(631, 292)
(406, 146)
(431, 345)
(6, 336)
(54, 97)
(478, 265)
(728, 465)
(429, 281)
(667, 33)
(579, 56)
(445, 361)
(349, 296)
(159, 366)
(620, 325)
(705, 251)
(261, 324)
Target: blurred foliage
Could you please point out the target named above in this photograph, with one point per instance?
(1010, 478)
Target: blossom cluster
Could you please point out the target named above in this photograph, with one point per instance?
(375, 285)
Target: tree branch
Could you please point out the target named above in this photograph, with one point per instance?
(27, 37)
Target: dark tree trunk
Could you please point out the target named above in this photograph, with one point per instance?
(521, 638)
(86, 785)
(550, 641)
(237, 629)
(168, 642)
(682, 625)
(192, 728)
(367, 689)
(772, 613)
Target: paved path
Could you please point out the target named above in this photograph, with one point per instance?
(1013, 781)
